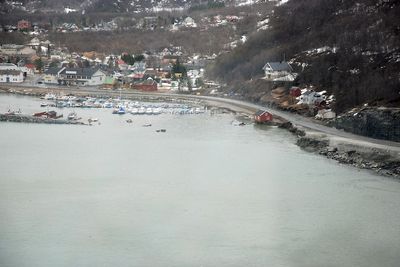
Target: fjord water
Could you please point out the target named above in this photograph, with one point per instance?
(205, 193)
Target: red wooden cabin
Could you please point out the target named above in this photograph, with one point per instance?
(262, 116)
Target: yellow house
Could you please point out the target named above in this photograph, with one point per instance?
(178, 75)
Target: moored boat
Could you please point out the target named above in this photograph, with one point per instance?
(149, 111)
(121, 111)
(72, 116)
(134, 111)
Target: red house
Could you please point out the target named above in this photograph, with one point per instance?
(24, 25)
(262, 116)
(147, 86)
(295, 92)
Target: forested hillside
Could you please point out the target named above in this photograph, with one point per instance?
(350, 48)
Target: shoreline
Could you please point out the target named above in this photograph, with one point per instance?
(382, 157)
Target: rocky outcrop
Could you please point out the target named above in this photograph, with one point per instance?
(32, 119)
(380, 123)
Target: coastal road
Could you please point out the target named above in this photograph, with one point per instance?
(310, 124)
(241, 106)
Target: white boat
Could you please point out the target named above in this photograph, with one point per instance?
(43, 105)
(108, 105)
(72, 116)
(199, 110)
(149, 111)
(121, 111)
(141, 110)
(157, 111)
(134, 111)
(49, 96)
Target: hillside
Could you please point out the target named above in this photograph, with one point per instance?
(349, 48)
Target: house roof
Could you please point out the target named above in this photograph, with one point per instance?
(149, 82)
(53, 71)
(10, 72)
(30, 66)
(9, 66)
(260, 112)
(278, 66)
(80, 71)
(121, 62)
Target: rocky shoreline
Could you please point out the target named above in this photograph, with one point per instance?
(378, 160)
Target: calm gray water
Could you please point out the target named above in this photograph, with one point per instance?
(205, 193)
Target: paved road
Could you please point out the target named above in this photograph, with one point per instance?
(293, 118)
(311, 124)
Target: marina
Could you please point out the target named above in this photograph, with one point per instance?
(122, 106)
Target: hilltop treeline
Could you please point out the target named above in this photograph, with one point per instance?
(137, 41)
(361, 59)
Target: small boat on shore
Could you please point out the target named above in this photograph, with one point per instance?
(73, 116)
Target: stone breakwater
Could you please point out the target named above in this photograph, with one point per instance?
(379, 160)
(32, 119)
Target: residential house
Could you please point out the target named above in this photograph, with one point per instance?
(262, 116)
(52, 75)
(110, 83)
(11, 73)
(295, 92)
(27, 52)
(278, 71)
(148, 86)
(325, 114)
(75, 76)
(122, 65)
(189, 23)
(169, 59)
(10, 49)
(34, 43)
(11, 76)
(311, 98)
(153, 73)
(138, 67)
(82, 76)
(24, 25)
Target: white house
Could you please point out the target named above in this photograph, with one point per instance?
(278, 71)
(310, 97)
(189, 22)
(11, 73)
(325, 114)
(11, 76)
(75, 76)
